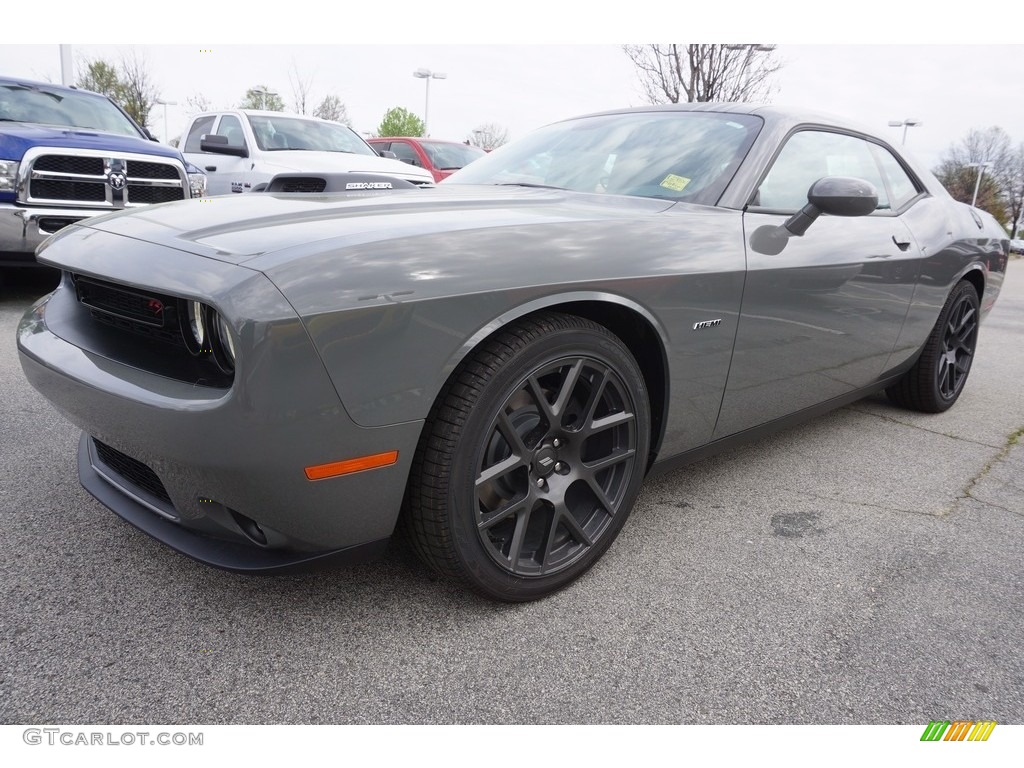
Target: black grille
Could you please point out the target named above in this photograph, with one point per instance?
(86, 166)
(147, 308)
(139, 193)
(48, 189)
(305, 185)
(132, 470)
(136, 169)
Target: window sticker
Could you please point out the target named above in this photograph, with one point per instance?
(675, 183)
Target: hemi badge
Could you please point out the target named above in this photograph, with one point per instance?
(706, 324)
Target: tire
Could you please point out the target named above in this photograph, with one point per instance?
(531, 459)
(940, 373)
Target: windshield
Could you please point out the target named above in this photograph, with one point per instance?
(277, 133)
(687, 156)
(446, 156)
(27, 103)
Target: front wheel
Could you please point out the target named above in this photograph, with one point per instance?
(532, 458)
(940, 373)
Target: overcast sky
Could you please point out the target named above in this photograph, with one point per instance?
(950, 87)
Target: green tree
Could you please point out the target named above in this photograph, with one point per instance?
(100, 76)
(128, 84)
(398, 121)
(261, 97)
(332, 108)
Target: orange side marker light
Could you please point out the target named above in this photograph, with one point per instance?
(349, 466)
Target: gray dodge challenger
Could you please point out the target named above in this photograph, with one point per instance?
(279, 380)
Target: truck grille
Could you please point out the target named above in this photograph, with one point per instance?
(95, 179)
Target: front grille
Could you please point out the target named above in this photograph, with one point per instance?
(140, 193)
(132, 470)
(304, 185)
(137, 169)
(149, 309)
(79, 177)
(82, 166)
(53, 189)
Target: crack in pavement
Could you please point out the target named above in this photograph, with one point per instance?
(1012, 439)
(923, 429)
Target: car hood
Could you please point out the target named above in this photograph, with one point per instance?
(283, 160)
(17, 138)
(261, 229)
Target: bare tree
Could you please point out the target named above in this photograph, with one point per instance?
(301, 87)
(1015, 191)
(332, 108)
(961, 164)
(261, 97)
(489, 136)
(197, 103)
(682, 72)
(138, 91)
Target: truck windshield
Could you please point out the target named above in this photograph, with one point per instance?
(279, 133)
(31, 103)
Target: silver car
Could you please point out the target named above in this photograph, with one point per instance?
(277, 381)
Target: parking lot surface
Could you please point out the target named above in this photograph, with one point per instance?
(862, 568)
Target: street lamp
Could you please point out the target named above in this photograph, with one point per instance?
(426, 74)
(263, 93)
(166, 104)
(908, 123)
(977, 182)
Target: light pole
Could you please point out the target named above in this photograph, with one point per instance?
(977, 182)
(426, 74)
(166, 104)
(908, 123)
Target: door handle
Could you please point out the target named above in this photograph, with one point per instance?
(903, 246)
(211, 168)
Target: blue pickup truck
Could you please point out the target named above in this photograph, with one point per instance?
(67, 154)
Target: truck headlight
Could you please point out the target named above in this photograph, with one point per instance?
(8, 175)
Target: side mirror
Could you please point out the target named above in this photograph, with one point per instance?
(212, 142)
(387, 153)
(835, 196)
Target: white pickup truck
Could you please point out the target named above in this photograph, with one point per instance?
(242, 149)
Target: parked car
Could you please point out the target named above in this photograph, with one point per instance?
(441, 158)
(274, 381)
(1017, 246)
(242, 149)
(67, 154)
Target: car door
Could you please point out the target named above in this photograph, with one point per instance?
(820, 317)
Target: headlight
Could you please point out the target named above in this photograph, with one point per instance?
(8, 175)
(197, 184)
(227, 341)
(197, 324)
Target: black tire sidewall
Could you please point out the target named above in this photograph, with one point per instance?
(962, 290)
(479, 566)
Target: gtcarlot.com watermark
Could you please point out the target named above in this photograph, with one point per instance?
(74, 738)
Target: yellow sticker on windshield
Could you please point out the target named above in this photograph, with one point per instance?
(675, 183)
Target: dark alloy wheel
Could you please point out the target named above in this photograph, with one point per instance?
(938, 377)
(532, 459)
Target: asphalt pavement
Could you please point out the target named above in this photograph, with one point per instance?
(863, 568)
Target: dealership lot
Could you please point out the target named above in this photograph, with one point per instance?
(862, 568)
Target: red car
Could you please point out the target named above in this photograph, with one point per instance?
(441, 158)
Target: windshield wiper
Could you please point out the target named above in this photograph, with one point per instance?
(527, 184)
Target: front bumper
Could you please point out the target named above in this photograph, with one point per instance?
(22, 230)
(226, 458)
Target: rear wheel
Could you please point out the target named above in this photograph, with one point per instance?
(532, 458)
(940, 373)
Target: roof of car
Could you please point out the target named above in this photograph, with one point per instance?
(42, 84)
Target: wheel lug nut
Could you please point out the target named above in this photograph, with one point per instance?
(540, 482)
(556, 442)
(560, 467)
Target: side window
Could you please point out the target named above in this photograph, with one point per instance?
(811, 155)
(381, 146)
(902, 187)
(231, 127)
(201, 126)
(405, 153)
